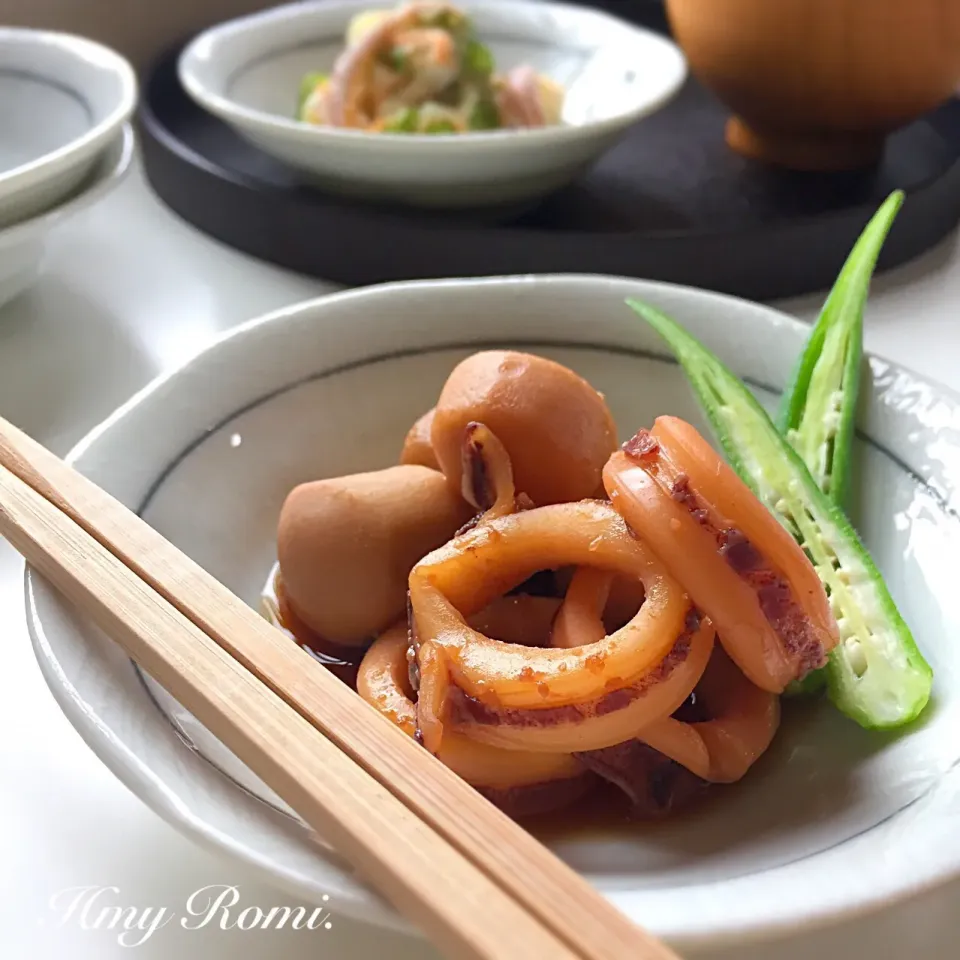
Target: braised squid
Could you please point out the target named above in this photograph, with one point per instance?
(554, 615)
(738, 563)
(546, 613)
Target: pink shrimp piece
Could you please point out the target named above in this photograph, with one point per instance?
(352, 76)
(351, 98)
(518, 99)
(433, 60)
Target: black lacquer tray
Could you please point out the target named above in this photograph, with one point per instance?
(669, 202)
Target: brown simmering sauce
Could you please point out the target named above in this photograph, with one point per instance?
(629, 782)
(341, 661)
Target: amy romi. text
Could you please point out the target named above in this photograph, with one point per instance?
(216, 906)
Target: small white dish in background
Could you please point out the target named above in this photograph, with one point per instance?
(63, 100)
(834, 820)
(21, 246)
(248, 72)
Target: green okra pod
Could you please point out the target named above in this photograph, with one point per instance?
(876, 675)
(818, 410)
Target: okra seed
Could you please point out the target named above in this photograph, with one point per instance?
(857, 659)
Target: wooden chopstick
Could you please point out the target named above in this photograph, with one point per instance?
(516, 863)
(409, 862)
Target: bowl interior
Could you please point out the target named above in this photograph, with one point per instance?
(208, 455)
(54, 89)
(825, 781)
(37, 116)
(62, 98)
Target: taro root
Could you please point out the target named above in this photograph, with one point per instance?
(346, 546)
(556, 428)
(417, 447)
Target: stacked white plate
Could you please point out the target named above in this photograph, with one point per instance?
(64, 139)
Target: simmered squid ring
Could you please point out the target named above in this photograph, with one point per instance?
(602, 723)
(743, 722)
(382, 682)
(744, 718)
(742, 568)
(620, 715)
(580, 618)
(463, 576)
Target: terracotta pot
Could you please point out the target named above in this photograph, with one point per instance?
(819, 84)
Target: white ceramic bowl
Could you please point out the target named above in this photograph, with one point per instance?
(248, 71)
(833, 820)
(21, 246)
(63, 100)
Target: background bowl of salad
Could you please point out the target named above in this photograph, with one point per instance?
(431, 104)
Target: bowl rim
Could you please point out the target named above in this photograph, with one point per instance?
(206, 44)
(119, 154)
(88, 143)
(800, 916)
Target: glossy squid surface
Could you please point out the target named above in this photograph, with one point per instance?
(536, 637)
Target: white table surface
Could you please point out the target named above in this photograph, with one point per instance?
(128, 291)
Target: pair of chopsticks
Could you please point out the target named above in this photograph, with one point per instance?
(475, 882)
